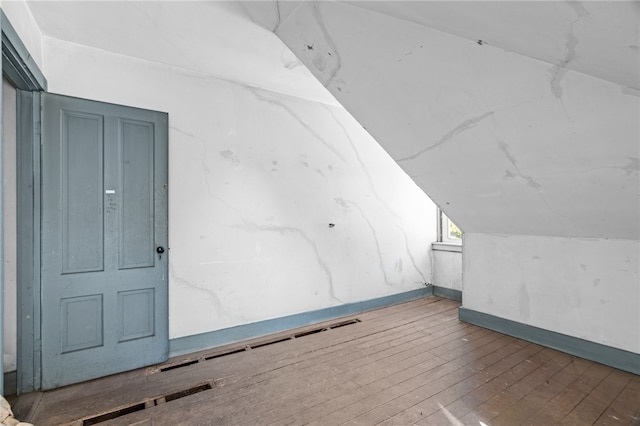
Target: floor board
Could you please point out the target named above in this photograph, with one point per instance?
(412, 363)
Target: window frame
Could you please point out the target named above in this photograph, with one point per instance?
(443, 242)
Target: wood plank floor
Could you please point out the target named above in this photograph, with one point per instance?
(412, 363)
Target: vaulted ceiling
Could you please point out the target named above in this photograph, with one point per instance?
(515, 117)
(594, 37)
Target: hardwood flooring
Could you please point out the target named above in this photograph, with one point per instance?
(412, 363)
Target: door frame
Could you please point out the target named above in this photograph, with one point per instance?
(18, 65)
(21, 69)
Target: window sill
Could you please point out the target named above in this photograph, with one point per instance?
(440, 246)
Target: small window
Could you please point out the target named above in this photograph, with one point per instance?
(454, 232)
(448, 231)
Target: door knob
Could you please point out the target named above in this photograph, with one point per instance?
(160, 250)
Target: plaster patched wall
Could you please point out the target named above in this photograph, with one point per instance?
(256, 179)
(587, 288)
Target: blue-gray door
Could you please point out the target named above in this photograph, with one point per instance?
(104, 239)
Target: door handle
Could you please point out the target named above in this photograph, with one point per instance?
(160, 250)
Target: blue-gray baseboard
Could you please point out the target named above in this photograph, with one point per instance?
(613, 357)
(447, 293)
(193, 343)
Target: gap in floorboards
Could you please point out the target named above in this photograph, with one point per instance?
(262, 344)
(142, 405)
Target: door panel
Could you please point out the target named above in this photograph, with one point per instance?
(81, 179)
(136, 214)
(81, 325)
(104, 213)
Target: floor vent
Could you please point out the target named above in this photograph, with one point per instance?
(235, 351)
(179, 365)
(113, 414)
(343, 323)
(309, 333)
(186, 392)
(272, 342)
(260, 344)
(146, 404)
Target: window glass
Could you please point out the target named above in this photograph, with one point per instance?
(454, 232)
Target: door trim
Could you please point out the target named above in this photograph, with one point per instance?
(21, 69)
(17, 62)
(28, 205)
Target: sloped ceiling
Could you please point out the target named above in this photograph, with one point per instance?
(514, 117)
(210, 39)
(593, 37)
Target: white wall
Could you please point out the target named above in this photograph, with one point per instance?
(256, 178)
(587, 288)
(447, 269)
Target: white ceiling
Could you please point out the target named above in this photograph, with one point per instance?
(212, 38)
(599, 38)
